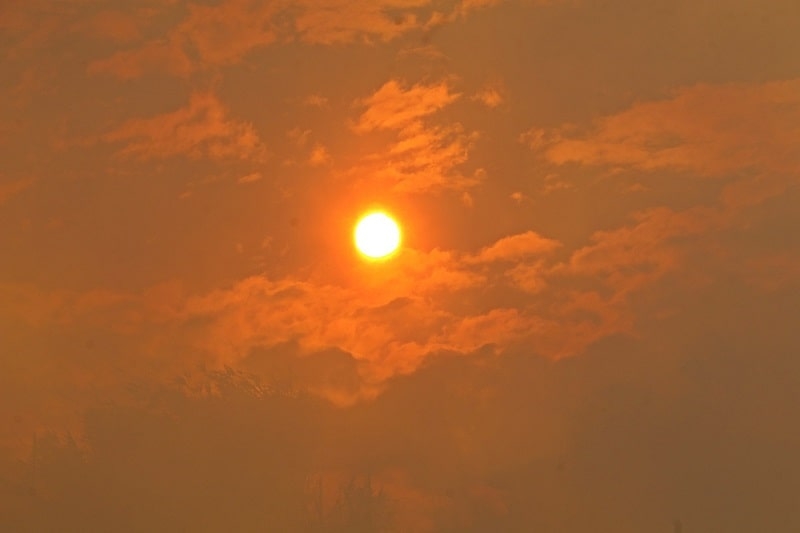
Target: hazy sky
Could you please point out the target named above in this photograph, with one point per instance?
(593, 323)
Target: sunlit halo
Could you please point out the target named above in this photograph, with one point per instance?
(377, 235)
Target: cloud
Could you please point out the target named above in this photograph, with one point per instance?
(744, 136)
(388, 325)
(635, 256)
(316, 100)
(311, 153)
(299, 136)
(529, 276)
(496, 327)
(208, 35)
(214, 35)
(9, 189)
(518, 197)
(319, 155)
(391, 332)
(517, 247)
(161, 55)
(392, 321)
(708, 130)
(37, 25)
(118, 26)
(344, 21)
(199, 130)
(367, 331)
(467, 5)
(424, 157)
(491, 97)
(492, 434)
(347, 341)
(224, 33)
(394, 106)
(33, 25)
(58, 343)
(250, 178)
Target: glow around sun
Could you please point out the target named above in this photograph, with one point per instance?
(377, 235)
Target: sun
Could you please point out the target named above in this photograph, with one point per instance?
(377, 235)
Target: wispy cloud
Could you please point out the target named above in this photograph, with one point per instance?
(517, 247)
(159, 55)
(8, 189)
(708, 130)
(424, 156)
(396, 106)
(343, 21)
(202, 129)
(634, 256)
(491, 97)
(224, 33)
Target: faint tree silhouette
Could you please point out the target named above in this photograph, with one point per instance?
(220, 454)
(359, 508)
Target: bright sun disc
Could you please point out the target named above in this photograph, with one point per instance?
(377, 235)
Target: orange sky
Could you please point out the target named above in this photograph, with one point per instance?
(592, 322)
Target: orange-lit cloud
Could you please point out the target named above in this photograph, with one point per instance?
(490, 97)
(389, 328)
(225, 33)
(250, 178)
(710, 130)
(388, 323)
(218, 34)
(8, 189)
(316, 100)
(741, 134)
(319, 155)
(118, 26)
(517, 247)
(427, 159)
(341, 21)
(32, 24)
(393, 106)
(200, 130)
(424, 157)
(163, 56)
(630, 257)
